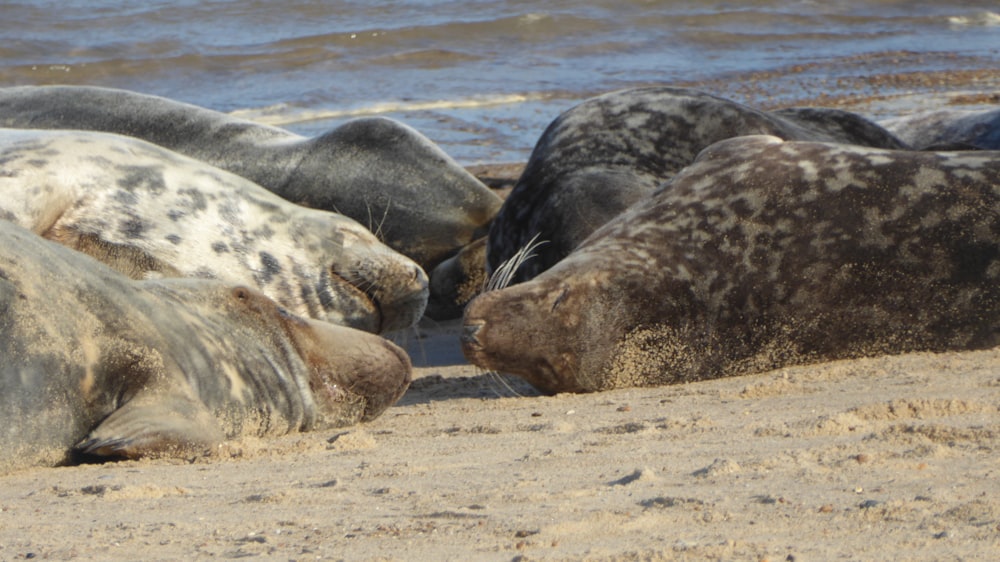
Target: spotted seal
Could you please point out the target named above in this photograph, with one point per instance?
(95, 363)
(947, 128)
(602, 155)
(147, 211)
(378, 171)
(762, 253)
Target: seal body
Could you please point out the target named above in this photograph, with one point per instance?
(608, 152)
(147, 211)
(377, 171)
(97, 363)
(949, 128)
(762, 254)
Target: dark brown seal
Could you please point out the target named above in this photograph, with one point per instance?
(761, 254)
(99, 364)
(608, 152)
(377, 171)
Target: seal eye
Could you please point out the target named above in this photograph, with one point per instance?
(559, 299)
(242, 294)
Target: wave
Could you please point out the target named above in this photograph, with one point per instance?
(283, 114)
(982, 19)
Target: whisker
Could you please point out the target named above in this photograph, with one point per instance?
(496, 377)
(505, 273)
(381, 222)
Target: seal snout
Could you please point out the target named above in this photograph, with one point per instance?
(388, 293)
(470, 333)
(403, 304)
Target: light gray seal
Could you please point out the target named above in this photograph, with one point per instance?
(378, 171)
(949, 128)
(762, 254)
(95, 364)
(606, 153)
(147, 211)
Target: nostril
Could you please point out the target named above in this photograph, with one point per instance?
(469, 333)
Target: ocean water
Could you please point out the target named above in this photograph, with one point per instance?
(484, 78)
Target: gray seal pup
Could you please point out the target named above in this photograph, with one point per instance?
(378, 171)
(949, 128)
(93, 363)
(147, 211)
(762, 254)
(606, 153)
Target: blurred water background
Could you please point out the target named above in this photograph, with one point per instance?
(484, 78)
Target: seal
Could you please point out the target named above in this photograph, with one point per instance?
(949, 128)
(456, 281)
(378, 171)
(606, 153)
(97, 364)
(147, 211)
(762, 254)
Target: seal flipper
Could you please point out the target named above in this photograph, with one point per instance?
(153, 425)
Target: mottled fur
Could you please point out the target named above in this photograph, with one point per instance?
(94, 362)
(608, 152)
(377, 171)
(761, 254)
(949, 129)
(150, 212)
(456, 281)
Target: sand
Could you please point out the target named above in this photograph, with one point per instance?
(892, 458)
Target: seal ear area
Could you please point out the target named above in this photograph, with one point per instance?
(272, 315)
(258, 302)
(153, 424)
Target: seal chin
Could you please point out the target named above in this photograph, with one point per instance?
(354, 375)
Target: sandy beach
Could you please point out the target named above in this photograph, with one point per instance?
(893, 458)
(888, 458)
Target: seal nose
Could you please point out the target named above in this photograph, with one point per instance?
(469, 333)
